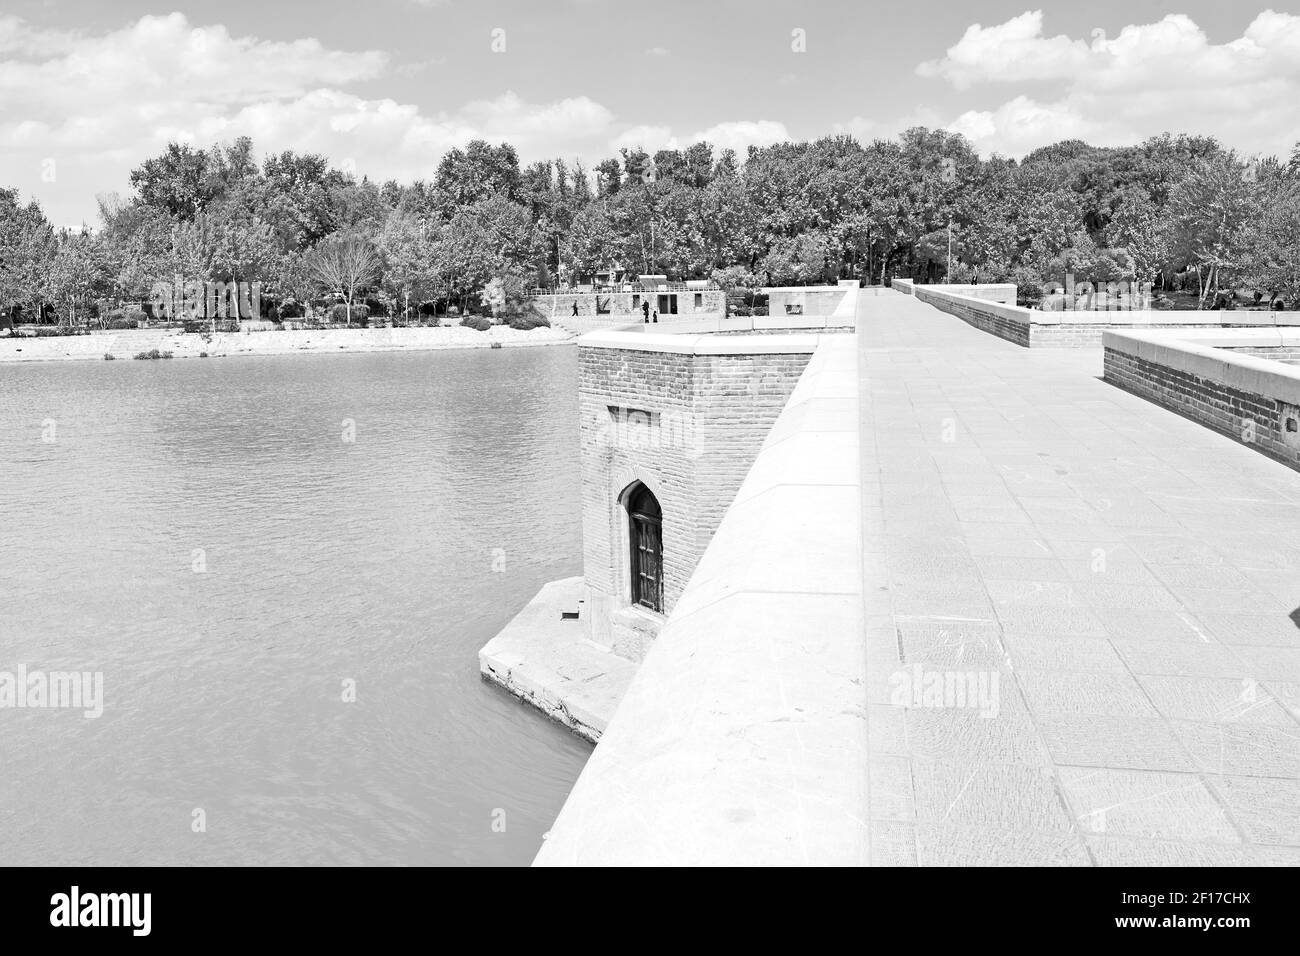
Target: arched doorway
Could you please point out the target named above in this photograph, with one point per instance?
(645, 536)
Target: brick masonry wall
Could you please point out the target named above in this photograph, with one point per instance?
(1227, 410)
(709, 417)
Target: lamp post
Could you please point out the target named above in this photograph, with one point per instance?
(949, 274)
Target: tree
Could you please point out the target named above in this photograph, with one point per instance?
(27, 248)
(1272, 245)
(1209, 211)
(1140, 227)
(408, 245)
(78, 273)
(609, 177)
(798, 260)
(471, 175)
(344, 263)
(179, 181)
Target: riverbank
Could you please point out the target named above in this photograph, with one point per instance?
(128, 343)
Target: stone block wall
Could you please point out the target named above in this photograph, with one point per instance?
(808, 300)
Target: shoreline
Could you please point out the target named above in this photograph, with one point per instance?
(126, 343)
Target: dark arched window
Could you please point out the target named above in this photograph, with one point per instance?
(645, 527)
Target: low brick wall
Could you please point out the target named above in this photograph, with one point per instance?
(1005, 321)
(1250, 399)
(986, 308)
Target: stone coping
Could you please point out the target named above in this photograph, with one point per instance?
(821, 289)
(1206, 354)
(983, 291)
(742, 739)
(1181, 318)
(1100, 317)
(703, 343)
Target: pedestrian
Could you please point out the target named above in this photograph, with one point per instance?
(645, 310)
(656, 316)
(575, 308)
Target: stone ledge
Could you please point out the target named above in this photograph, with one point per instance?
(547, 662)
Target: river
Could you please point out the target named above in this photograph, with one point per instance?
(283, 568)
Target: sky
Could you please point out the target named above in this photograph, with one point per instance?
(89, 89)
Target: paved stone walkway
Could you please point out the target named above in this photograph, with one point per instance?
(1128, 578)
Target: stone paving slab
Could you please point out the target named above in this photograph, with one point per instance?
(1082, 613)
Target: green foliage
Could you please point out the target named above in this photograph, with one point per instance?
(117, 320)
(483, 229)
(339, 313)
(528, 320)
(476, 322)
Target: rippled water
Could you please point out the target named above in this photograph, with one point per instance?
(387, 561)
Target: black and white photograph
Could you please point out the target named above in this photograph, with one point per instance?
(586, 433)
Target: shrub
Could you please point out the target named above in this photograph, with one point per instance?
(109, 357)
(427, 308)
(496, 344)
(136, 316)
(153, 354)
(339, 313)
(291, 309)
(475, 322)
(117, 320)
(529, 320)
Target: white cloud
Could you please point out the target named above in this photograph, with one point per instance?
(741, 134)
(738, 135)
(1012, 51)
(650, 138)
(1149, 78)
(98, 105)
(859, 127)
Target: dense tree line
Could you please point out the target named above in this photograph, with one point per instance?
(1177, 211)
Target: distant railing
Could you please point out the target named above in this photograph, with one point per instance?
(693, 285)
